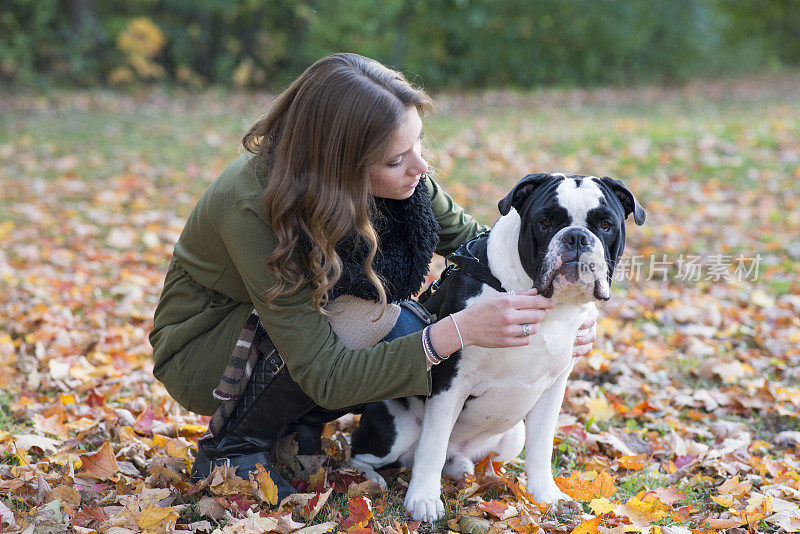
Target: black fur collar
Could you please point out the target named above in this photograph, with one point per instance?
(408, 235)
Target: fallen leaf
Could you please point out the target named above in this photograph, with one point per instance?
(474, 525)
(583, 489)
(590, 526)
(643, 509)
(224, 481)
(318, 482)
(500, 510)
(286, 524)
(669, 495)
(600, 409)
(322, 528)
(210, 507)
(157, 519)
(360, 510)
(733, 486)
(67, 495)
(601, 506)
(634, 463)
(263, 486)
(717, 523)
(7, 520)
(26, 442)
(101, 465)
(51, 425)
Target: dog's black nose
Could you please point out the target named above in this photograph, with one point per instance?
(576, 238)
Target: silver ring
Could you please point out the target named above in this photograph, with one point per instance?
(526, 329)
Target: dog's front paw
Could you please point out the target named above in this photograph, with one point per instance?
(546, 491)
(424, 507)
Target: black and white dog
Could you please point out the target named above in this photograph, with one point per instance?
(561, 234)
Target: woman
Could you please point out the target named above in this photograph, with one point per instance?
(302, 248)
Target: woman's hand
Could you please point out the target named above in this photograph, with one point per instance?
(587, 334)
(494, 322)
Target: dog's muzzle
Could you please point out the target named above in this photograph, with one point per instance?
(575, 261)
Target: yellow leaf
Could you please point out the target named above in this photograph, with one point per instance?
(733, 487)
(600, 409)
(67, 399)
(588, 527)
(758, 508)
(263, 486)
(643, 509)
(725, 500)
(156, 518)
(601, 506)
(192, 429)
(83, 424)
(5, 228)
(179, 448)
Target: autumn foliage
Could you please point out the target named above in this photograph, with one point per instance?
(684, 418)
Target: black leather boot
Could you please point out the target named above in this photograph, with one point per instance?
(270, 401)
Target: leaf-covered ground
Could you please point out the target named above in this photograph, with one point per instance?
(684, 417)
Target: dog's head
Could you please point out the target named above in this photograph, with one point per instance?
(572, 230)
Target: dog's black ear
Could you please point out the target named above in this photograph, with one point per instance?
(625, 196)
(525, 187)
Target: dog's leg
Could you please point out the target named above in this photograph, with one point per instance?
(423, 500)
(540, 428)
(511, 443)
(459, 465)
(383, 424)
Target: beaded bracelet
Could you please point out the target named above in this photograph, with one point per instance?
(427, 345)
(430, 357)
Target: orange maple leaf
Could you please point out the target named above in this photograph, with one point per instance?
(517, 490)
(584, 490)
(634, 463)
(360, 512)
(590, 526)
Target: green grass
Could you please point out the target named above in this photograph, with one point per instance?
(7, 423)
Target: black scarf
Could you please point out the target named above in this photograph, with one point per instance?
(408, 235)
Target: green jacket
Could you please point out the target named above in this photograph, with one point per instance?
(218, 275)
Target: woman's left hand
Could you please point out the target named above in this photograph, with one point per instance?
(587, 334)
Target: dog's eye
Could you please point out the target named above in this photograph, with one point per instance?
(605, 226)
(545, 224)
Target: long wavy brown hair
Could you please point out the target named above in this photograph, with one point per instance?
(315, 145)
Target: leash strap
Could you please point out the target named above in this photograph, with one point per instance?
(465, 261)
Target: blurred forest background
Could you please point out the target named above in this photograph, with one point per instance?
(447, 43)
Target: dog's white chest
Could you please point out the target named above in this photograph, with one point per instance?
(502, 385)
